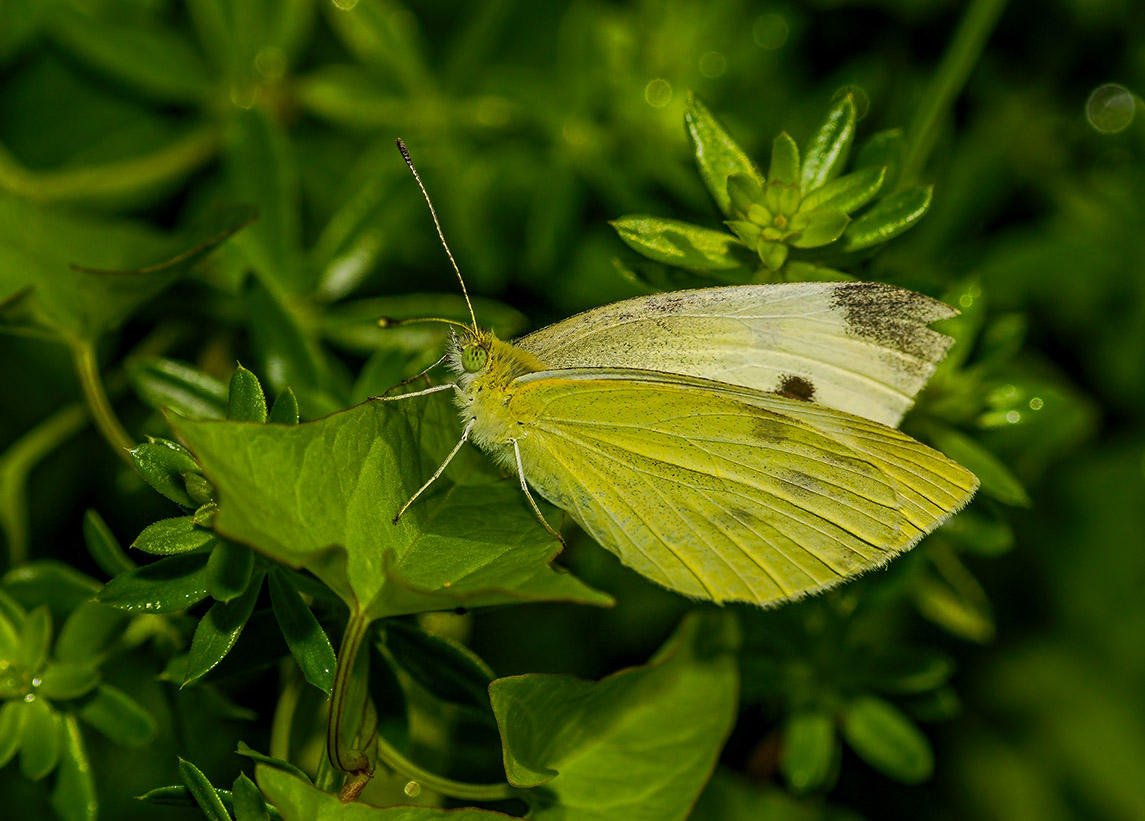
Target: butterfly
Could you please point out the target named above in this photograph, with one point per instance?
(734, 443)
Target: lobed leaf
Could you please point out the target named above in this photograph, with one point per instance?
(577, 737)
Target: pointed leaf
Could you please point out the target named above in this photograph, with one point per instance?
(171, 537)
(822, 228)
(162, 464)
(717, 154)
(888, 740)
(47, 581)
(308, 643)
(246, 750)
(847, 193)
(228, 570)
(322, 495)
(248, 802)
(118, 716)
(40, 750)
(447, 669)
(218, 631)
(62, 681)
(784, 161)
(743, 191)
(89, 632)
(829, 146)
(576, 737)
(74, 797)
(203, 792)
(886, 149)
(997, 479)
(680, 243)
(245, 400)
(167, 383)
(174, 583)
(103, 546)
(12, 717)
(888, 218)
(284, 411)
(35, 640)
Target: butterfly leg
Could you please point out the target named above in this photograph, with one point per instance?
(441, 469)
(434, 389)
(529, 496)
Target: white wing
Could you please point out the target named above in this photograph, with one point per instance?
(858, 347)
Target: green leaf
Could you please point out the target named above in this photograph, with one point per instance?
(205, 515)
(74, 797)
(889, 218)
(847, 193)
(162, 464)
(819, 228)
(218, 631)
(886, 149)
(809, 750)
(229, 570)
(246, 750)
(180, 796)
(38, 248)
(13, 715)
(284, 411)
(718, 156)
(167, 383)
(322, 495)
(203, 494)
(680, 243)
(202, 791)
(908, 670)
(261, 170)
(89, 632)
(654, 277)
(575, 736)
(42, 736)
(379, 35)
(887, 740)
(784, 161)
(35, 640)
(118, 716)
(245, 400)
(67, 680)
(47, 581)
(744, 192)
(103, 546)
(171, 537)
(155, 60)
(248, 802)
(997, 480)
(173, 583)
(308, 643)
(9, 636)
(827, 150)
(447, 669)
(296, 798)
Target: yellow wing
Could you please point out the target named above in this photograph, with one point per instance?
(859, 347)
(723, 493)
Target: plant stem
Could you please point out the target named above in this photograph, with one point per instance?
(15, 465)
(283, 721)
(98, 406)
(961, 57)
(354, 762)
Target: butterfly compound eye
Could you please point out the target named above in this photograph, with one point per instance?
(473, 358)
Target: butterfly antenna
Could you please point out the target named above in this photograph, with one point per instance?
(433, 212)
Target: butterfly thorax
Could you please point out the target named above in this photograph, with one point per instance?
(485, 393)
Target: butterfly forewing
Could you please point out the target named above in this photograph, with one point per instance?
(859, 347)
(715, 495)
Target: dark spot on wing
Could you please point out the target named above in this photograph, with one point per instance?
(893, 317)
(767, 430)
(796, 387)
(662, 303)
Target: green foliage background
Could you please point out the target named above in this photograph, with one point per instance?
(134, 131)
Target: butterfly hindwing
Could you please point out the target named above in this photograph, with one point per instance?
(715, 495)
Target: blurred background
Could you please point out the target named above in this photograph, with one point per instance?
(123, 123)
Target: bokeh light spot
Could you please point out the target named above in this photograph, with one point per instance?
(770, 31)
(713, 64)
(270, 62)
(345, 5)
(1110, 108)
(658, 93)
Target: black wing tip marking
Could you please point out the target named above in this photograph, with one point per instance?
(894, 317)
